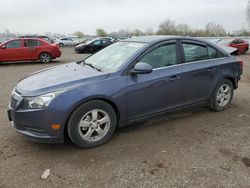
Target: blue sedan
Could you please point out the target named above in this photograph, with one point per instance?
(128, 81)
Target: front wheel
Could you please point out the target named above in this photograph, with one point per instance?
(45, 57)
(222, 95)
(92, 124)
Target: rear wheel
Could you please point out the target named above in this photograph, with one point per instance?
(45, 57)
(222, 95)
(92, 124)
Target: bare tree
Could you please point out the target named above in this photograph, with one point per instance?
(137, 33)
(101, 33)
(79, 34)
(214, 30)
(167, 28)
(183, 29)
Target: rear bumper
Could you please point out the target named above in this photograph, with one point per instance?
(56, 53)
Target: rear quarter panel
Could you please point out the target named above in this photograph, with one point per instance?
(230, 68)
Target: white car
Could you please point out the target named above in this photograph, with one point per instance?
(66, 41)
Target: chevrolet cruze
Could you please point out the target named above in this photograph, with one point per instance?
(128, 81)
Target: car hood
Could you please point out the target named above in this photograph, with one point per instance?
(58, 78)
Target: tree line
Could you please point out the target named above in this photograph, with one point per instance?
(167, 27)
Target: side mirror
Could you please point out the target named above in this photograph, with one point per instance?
(141, 68)
(3, 46)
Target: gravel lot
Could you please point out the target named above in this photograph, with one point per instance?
(197, 148)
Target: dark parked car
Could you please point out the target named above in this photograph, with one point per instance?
(126, 82)
(92, 46)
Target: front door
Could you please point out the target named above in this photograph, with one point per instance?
(157, 91)
(12, 51)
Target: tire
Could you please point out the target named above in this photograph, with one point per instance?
(61, 44)
(45, 57)
(87, 127)
(221, 96)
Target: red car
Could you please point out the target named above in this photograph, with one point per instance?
(28, 49)
(240, 44)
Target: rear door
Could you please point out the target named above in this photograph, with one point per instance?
(31, 49)
(200, 71)
(12, 50)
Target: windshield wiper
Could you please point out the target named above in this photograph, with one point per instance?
(92, 66)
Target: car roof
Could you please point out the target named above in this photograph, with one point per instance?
(23, 39)
(159, 38)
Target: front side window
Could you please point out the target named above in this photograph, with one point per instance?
(195, 52)
(162, 56)
(14, 44)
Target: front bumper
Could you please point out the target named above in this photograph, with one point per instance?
(34, 125)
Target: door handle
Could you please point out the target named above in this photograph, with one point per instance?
(212, 69)
(173, 78)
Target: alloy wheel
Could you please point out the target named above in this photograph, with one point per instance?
(223, 95)
(45, 58)
(94, 125)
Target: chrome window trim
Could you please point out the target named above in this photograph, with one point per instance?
(189, 63)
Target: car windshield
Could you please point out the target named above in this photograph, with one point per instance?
(112, 57)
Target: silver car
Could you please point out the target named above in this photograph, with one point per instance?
(66, 41)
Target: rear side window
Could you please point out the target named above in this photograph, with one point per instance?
(14, 44)
(194, 52)
(32, 43)
(106, 42)
(212, 53)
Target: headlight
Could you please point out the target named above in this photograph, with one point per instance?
(39, 102)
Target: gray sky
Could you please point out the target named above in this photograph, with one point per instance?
(68, 16)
